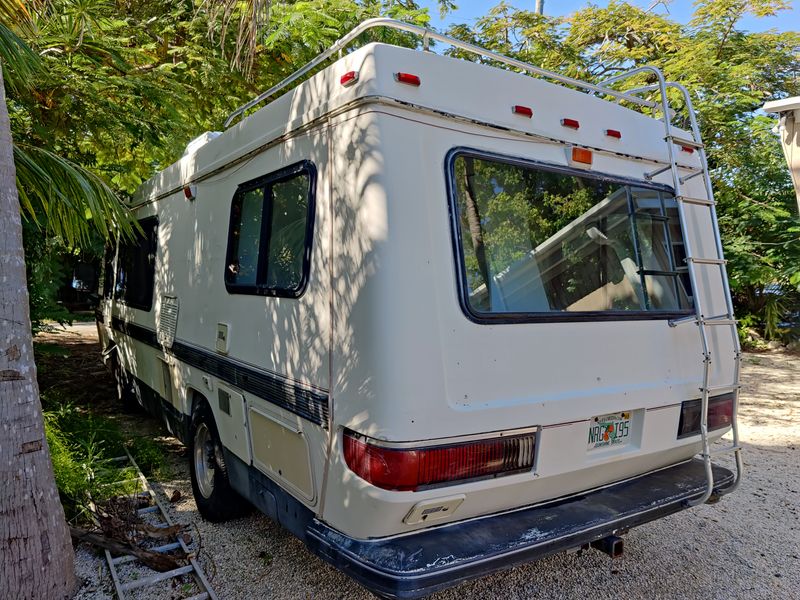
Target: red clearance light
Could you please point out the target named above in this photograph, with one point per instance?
(349, 78)
(190, 192)
(687, 149)
(582, 155)
(407, 78)
(720, 415)
(408, 469)
(614, 133)
(523, 111)
(571, 123)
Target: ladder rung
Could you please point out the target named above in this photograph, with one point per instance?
(144, 581)
(721, 388)
(697, 201)
(706, 261)
(724, 450)
(683, 141)
(720, 321)
(121, 560)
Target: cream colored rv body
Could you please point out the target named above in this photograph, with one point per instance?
(379, 344)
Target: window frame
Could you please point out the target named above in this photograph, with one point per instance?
(265, 182)
(144, 224)
(538, 317)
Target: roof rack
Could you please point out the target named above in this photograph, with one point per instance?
(428, 35)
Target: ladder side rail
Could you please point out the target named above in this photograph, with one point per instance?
(427, 35)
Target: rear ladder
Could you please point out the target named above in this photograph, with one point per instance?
(703, 321)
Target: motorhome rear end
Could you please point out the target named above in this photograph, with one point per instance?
(435, 318)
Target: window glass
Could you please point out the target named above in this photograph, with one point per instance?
(108, 271)
(287, 233)
(270, 238)
(246, 238)
(136, 263)
(541, 241)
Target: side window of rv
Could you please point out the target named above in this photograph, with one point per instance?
(271, 228)
(108, 271)
(536, 240)
(136, 267)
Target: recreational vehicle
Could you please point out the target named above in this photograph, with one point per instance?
(436, 317)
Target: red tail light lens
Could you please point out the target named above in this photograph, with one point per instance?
(614, 133)
(720, 415)
(571, 123)
(687, 149)
(349, 78)
(408, 469)
(407, 78)
(524, 111)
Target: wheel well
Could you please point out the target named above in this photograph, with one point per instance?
(193, 398)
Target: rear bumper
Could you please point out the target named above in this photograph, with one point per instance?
(415, 565)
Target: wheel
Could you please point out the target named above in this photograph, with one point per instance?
(126, 390)
(216, 499)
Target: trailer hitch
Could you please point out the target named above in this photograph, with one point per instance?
(612, 545)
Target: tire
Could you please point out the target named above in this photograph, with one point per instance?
(216, 500)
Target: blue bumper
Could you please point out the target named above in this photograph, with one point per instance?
(413, 566)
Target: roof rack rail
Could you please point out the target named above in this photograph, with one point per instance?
(428, 35)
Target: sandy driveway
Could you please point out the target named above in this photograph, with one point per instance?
(747, 546)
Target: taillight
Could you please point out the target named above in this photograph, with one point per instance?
(523, 111)
(571, 123)
(720, 415)
(408, 79)
(408, 469)
(349, 78)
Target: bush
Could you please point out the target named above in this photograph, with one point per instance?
(82, 449)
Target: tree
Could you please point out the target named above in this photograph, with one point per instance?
(36, 556)
(730, 74)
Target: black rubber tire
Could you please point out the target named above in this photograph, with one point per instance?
(223, 503)
(126, 390)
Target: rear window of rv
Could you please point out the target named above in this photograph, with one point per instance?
(534, 240)
(271, 228)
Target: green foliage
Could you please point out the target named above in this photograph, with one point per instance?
(730, 73)
(82, 446)
(46, 272)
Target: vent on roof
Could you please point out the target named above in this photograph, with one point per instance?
(200, 141)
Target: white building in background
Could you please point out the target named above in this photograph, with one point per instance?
(788, 111)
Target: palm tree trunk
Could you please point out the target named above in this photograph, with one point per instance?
(36, 555)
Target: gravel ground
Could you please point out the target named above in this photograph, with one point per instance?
(746, 546)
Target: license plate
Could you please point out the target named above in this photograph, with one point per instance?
(614, 430)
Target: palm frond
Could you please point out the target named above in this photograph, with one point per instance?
(13, 12)
(65, 199)
(20, 63)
